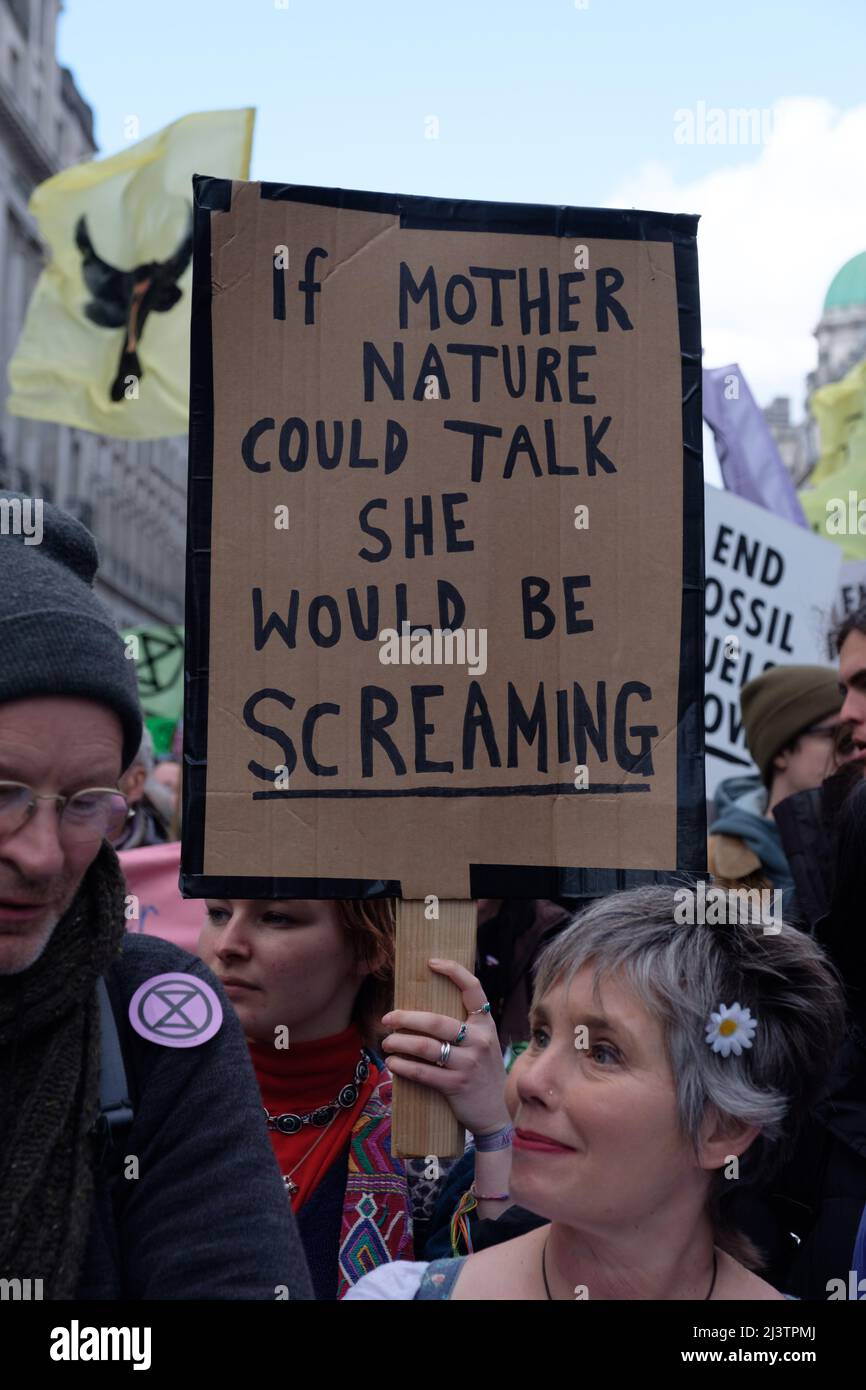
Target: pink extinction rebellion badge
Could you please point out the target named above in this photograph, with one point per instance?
(175, 1011)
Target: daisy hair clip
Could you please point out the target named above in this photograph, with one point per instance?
(731, 1029)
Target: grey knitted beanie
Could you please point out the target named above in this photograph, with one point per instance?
(56, 637)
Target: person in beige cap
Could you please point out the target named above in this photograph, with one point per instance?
(791, 718)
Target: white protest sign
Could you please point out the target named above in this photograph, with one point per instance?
(770, 591)
(852, 588)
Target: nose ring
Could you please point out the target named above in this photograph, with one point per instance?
(550, 1093)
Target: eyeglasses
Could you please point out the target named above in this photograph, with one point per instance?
(94, 814)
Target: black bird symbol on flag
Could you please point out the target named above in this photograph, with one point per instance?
(124, 298)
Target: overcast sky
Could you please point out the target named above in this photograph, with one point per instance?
(605, 103)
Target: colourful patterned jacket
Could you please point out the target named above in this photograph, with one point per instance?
(377, 1217)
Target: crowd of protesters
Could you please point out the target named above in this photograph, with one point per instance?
(653, 1110)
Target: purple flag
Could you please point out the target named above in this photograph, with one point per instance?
(750, 462)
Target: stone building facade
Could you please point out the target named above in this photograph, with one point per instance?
(132, 495)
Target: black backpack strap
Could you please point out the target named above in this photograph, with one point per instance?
(116, 1114)
(115, 1105)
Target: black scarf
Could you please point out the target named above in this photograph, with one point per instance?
(49, 1087)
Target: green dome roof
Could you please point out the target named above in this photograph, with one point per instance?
(848, 286)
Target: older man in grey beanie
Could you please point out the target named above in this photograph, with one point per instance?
(99, 1025)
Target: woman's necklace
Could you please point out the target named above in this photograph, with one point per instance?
(550, 1295)
(322, 1118)
(290, 1123)
(292, 1187)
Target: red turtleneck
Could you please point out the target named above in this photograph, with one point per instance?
(301, 1078)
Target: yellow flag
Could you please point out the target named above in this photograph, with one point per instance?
(840, 411)
(105, 345)
(833, 509)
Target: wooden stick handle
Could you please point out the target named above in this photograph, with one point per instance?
(422, 1122)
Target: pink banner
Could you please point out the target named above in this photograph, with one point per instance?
(152, 876)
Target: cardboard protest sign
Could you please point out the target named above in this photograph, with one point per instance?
(770, 587)
(444, 613)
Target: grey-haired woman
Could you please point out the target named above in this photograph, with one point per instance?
(665, 1063)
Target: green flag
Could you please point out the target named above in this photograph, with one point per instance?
(158, 656)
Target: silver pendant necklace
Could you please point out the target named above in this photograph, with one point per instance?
(321, 1118)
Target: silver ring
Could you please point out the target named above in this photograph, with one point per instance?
(444, 1054)
(485, 1009)
(460, 1036)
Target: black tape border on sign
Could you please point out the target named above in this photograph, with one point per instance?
(212, 195)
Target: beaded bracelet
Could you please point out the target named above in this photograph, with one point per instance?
(492, 1143)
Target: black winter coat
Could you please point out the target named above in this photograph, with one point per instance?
(821, 1192)
(207, 1217)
